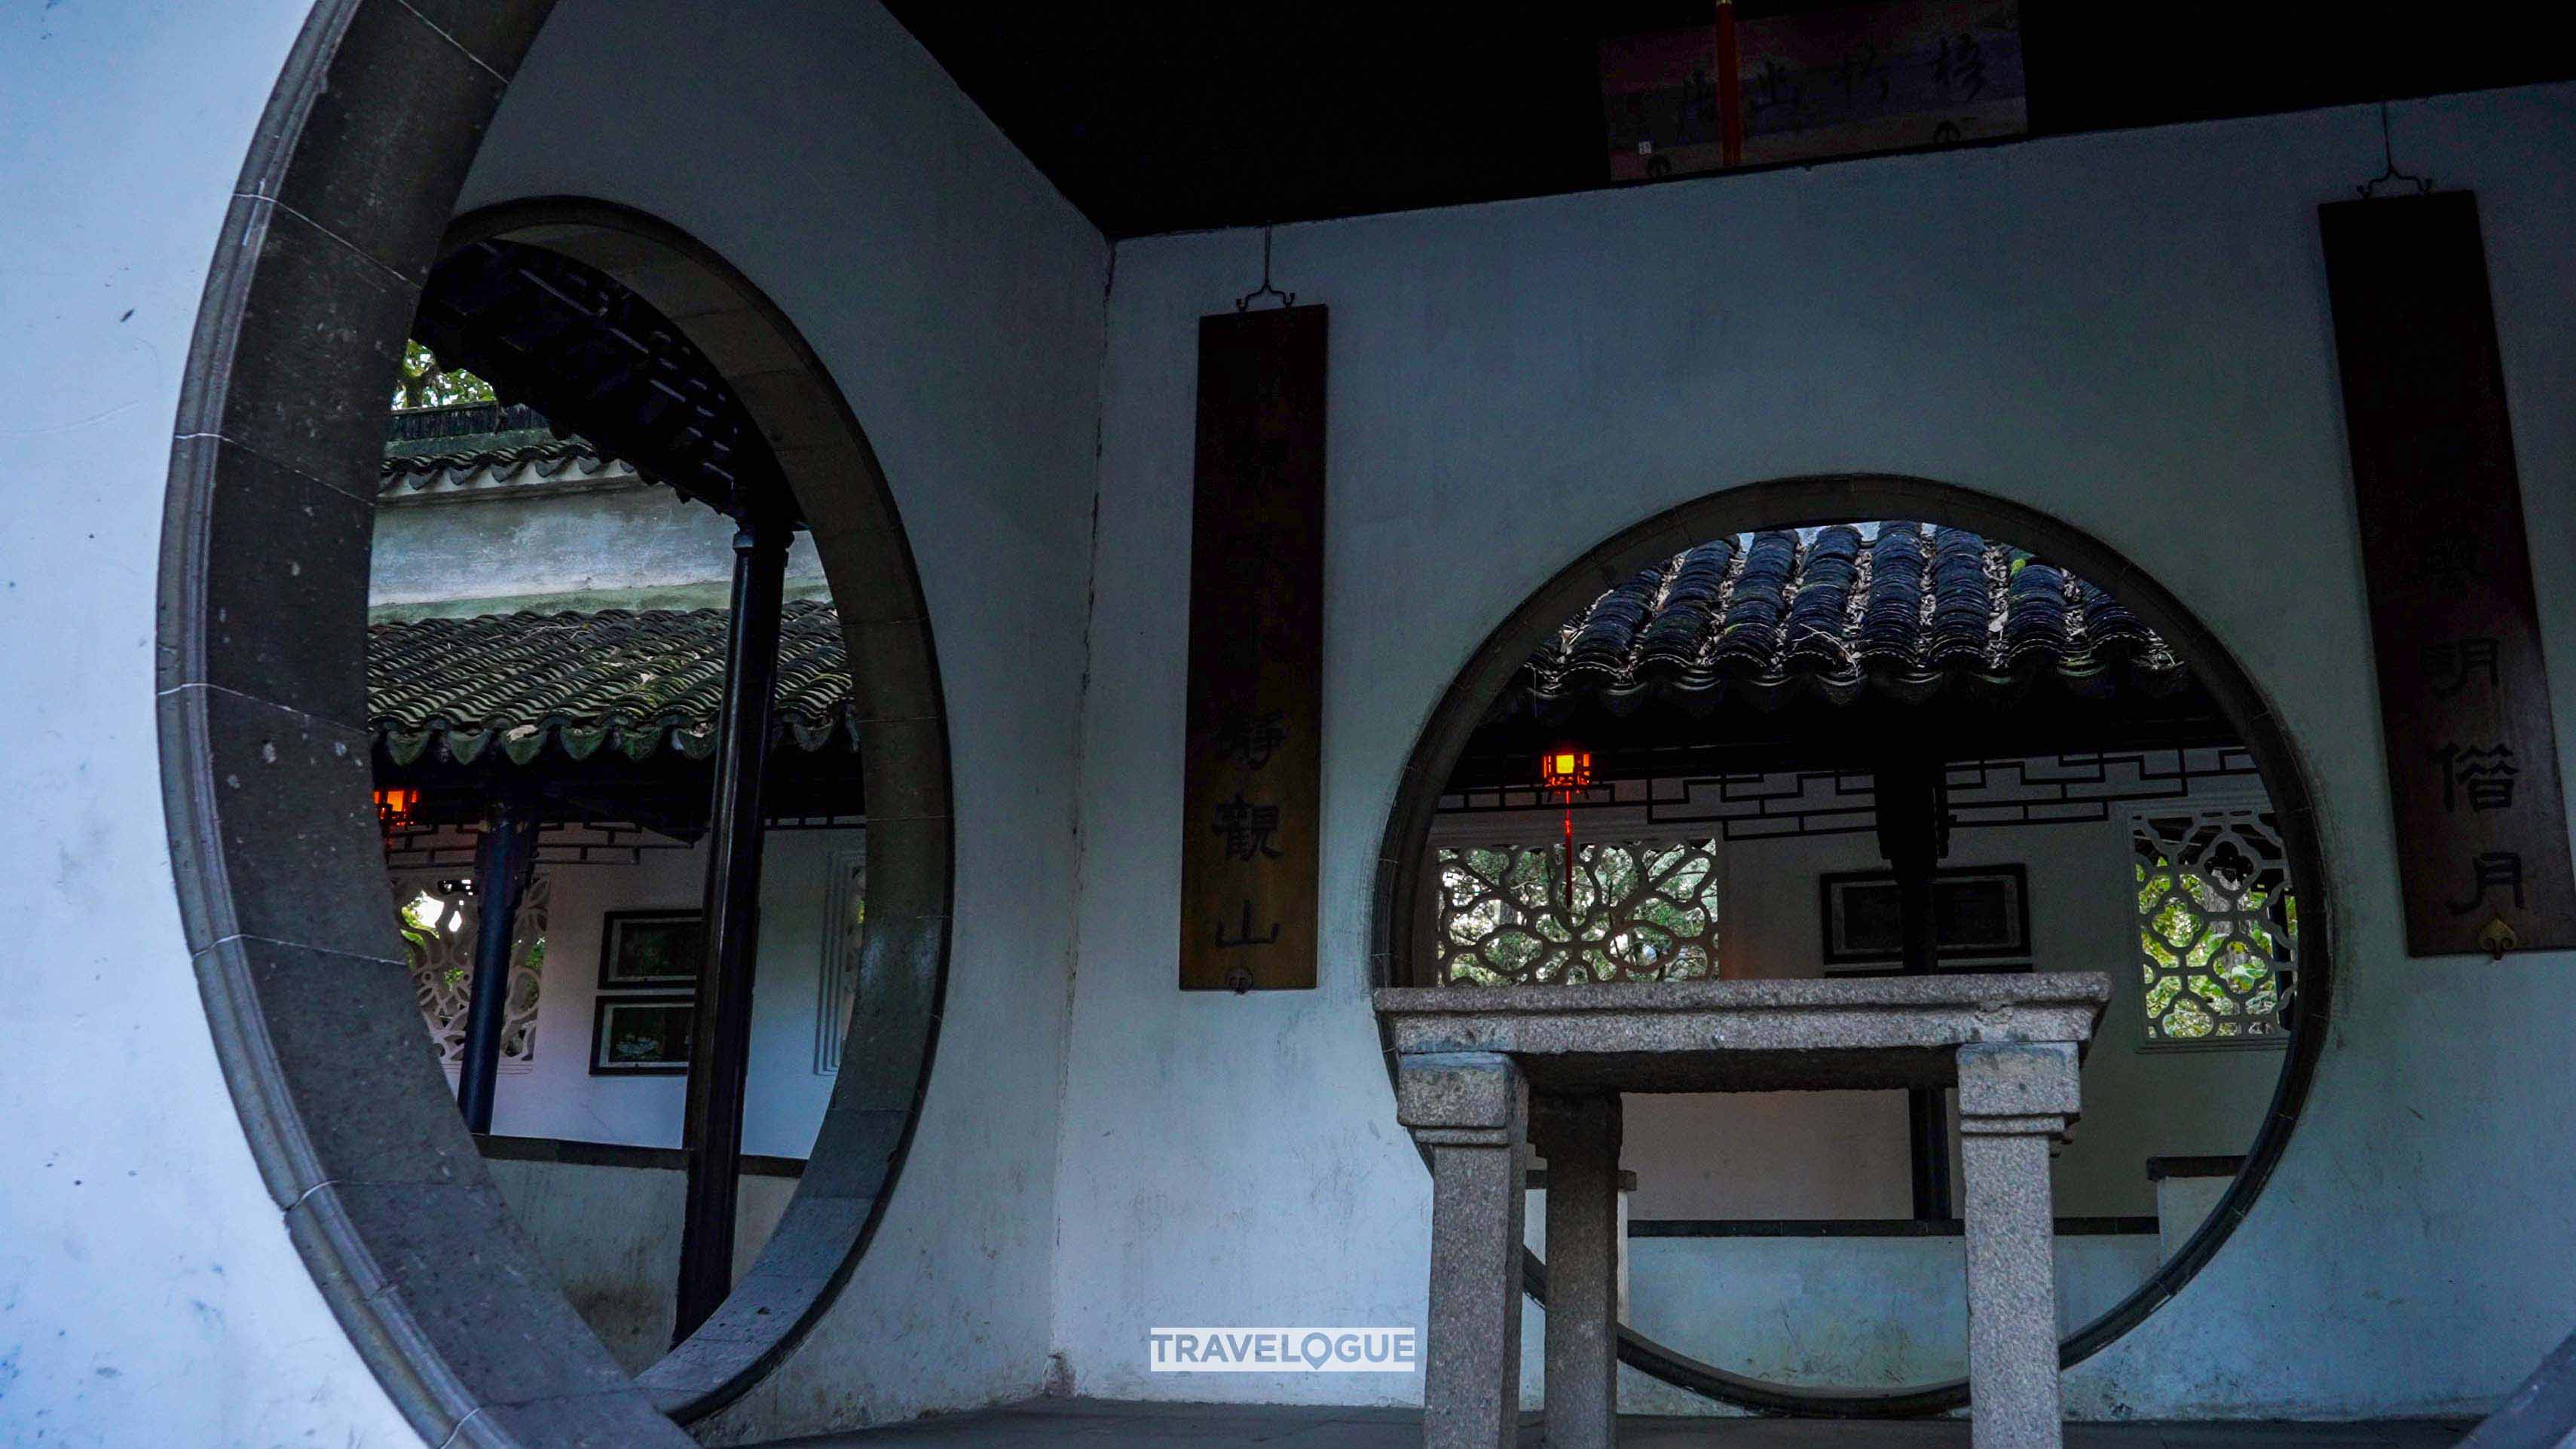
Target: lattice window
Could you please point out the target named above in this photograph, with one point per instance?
(1640, 913)
(2218, 927)
(438, 933)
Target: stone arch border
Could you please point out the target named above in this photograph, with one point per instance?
(1851, 498)
(264, 744)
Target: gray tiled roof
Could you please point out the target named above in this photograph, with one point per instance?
(438, 451)
(633, 683)
(1896, 607)
(1899, 608)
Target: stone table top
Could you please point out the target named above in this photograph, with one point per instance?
(1746, 1035)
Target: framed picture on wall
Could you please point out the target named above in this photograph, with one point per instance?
(1979, 913)
(650, 948)
(641, 1036)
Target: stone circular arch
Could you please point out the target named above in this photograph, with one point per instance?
(1853, 498)
(264, 744)
(903, 760)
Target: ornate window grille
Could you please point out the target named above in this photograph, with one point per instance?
(438, 934)
(2218, 927)
(1640, 913)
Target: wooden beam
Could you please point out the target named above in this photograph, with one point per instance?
(667, 794)
(2463, 686)
(1666, 739)
(1914, 834)
(720, 1045)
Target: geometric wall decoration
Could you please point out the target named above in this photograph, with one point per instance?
(2218, 927)
(2060, 790)
(1641, 912)
(438, 932)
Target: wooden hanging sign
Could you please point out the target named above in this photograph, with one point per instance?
(1252, 788)
(2463, 687)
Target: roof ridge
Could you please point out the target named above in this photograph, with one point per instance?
(461, 420)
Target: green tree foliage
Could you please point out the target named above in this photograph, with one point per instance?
(2210, 959)
(424, 384)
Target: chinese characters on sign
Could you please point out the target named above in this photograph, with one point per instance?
(1814, 82)
(1252, 771)
(2463, 691)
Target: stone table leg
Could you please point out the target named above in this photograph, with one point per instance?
(1579, 1137)
(2015, 1101)
(1470, 1111)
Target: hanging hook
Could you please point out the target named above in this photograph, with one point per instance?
(2391, 176)
(1286, 299)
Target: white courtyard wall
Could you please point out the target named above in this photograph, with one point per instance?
(1838, 1154)
(148, 1293)
(1844, 1154)
(2126, 330)
(956, 299)
(1889, 1311)
(511, 549)
(555, 1094)
(1877, 1312)
(610, 1236)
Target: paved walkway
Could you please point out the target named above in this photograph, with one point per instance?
(1095, 1424)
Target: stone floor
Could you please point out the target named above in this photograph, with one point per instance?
(1094, 1424)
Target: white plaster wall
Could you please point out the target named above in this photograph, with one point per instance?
(956, 299)
(510, 550)
(1822, 1312)
(1843, 1154)
(2127, 330)
(148, 1294)
(611, 1238)
(1846, 1312)
(555, 1094)
(1888, 1311)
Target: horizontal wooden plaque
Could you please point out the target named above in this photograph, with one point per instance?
(2463, 687)
(1252, 790)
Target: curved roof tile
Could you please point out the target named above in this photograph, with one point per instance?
(479, 445)
(636, 683)
(1896, 607)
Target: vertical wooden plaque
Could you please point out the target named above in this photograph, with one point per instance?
(2463, 688)
(1252, 790)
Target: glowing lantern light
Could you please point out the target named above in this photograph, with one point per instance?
(1567, 768)
(394, 807)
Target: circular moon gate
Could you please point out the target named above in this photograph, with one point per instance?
(265, 748)
(1846, 498)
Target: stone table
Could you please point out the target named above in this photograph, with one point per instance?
(1483, 1071)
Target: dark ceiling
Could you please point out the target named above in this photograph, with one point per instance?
(1166, 115)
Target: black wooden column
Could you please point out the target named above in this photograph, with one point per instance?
(1914, 833)
(503, 860)
(720, 1045)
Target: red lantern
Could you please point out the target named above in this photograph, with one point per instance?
(394, 807)
(1567, 768)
